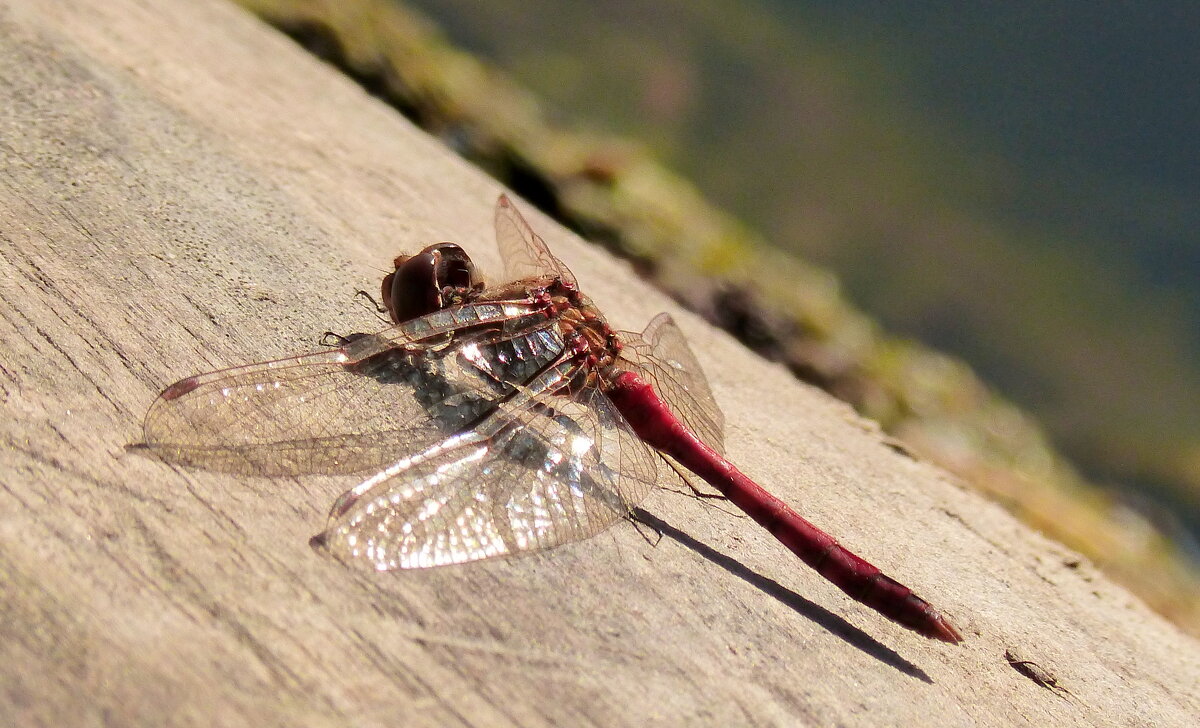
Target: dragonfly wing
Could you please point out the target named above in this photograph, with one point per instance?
(524, 252)
(346, 410)
(662, 356)
(540, 471)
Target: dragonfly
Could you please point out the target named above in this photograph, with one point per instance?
(489, 421)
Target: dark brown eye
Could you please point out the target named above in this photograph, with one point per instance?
(438, 276)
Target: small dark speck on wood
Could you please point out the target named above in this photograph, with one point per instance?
(1035, 672)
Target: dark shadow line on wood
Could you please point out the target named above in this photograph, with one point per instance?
(811, 610)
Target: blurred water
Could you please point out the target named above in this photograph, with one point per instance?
(1012, 182)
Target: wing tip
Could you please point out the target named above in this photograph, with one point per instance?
(180, 388)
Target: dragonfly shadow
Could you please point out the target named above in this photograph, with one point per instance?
(811, 610)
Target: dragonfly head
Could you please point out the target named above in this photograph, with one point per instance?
(439, 276)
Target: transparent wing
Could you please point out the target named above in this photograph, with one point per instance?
(662, 356)
(351, 409)
(541, 470)
(524, 252)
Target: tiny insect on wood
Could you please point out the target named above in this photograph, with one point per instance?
(489, 421)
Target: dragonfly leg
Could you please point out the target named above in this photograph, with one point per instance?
(640, 521)
(368, 299)
(336, 341)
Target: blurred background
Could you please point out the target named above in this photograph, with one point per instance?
(1015, 184)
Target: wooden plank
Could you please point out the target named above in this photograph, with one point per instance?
(183, 189)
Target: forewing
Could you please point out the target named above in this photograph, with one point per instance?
(524, 252)
(662, 356)
(346, 410)
(540, 471)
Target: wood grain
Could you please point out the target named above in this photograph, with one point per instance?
(183, 189)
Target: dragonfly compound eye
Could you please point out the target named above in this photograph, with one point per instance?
(438, 276)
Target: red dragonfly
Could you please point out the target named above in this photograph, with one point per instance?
(493, 421)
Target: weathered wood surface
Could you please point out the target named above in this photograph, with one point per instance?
(182, 189)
